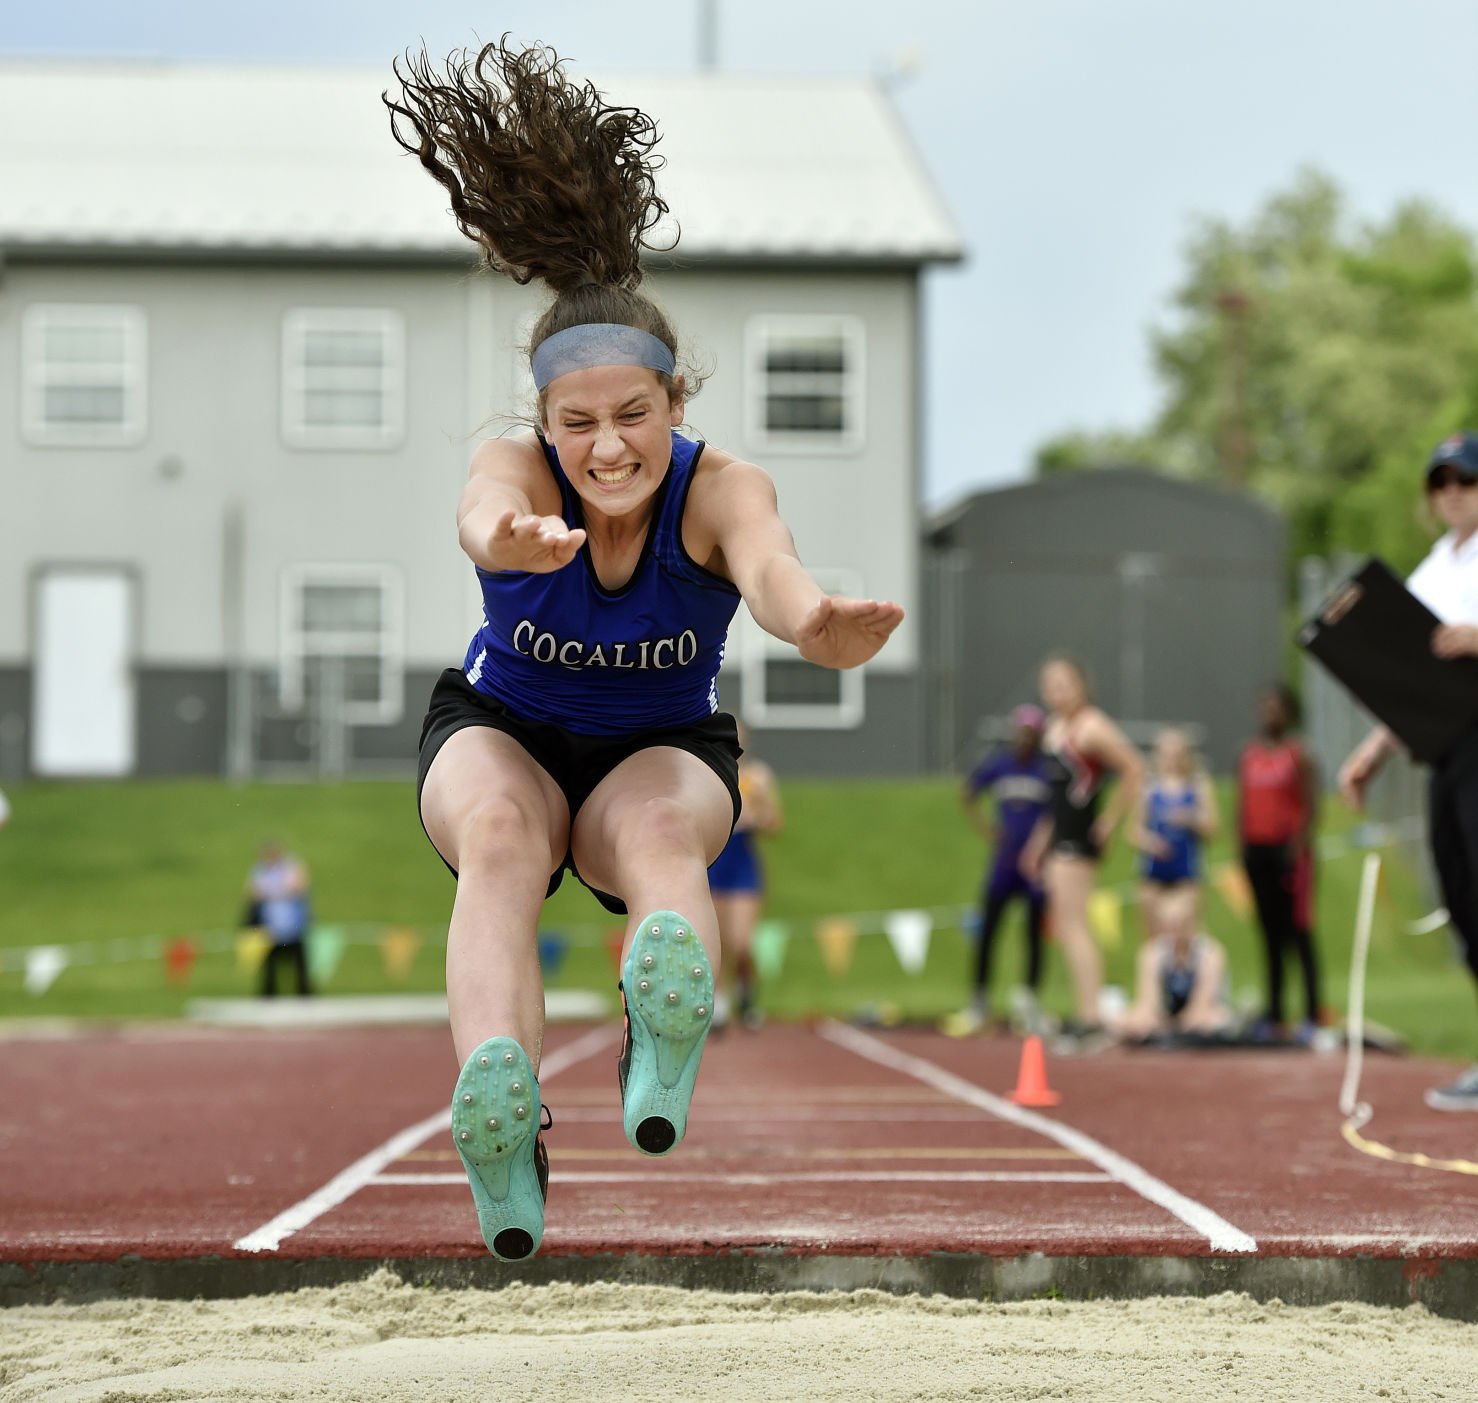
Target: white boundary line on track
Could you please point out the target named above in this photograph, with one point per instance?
(269, 1237)
(1222, 1236)
(863, 1176)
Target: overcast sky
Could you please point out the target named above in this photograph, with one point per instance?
(1075, 143)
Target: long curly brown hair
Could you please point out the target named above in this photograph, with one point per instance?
(548, 179)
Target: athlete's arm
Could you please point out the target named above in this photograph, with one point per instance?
(1034, 854)
(1208, 816)
(1308, 779)
(761, 812)
(1363, 764)
(736, 509)
(1112, 746)
(1150, 842)
(497, 523)
(971, 800)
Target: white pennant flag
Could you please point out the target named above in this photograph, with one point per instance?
(43, 964)
(908, 933)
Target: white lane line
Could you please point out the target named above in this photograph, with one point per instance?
(1222, 1236)
(863, 1176)
(269, 1237)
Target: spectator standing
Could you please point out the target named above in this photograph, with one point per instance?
(1277, 808)
(1087, 750)
(1447, 583)
(1179, 818)
(277, 891)
(1017, 778)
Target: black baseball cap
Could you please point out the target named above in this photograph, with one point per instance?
(1458, 451)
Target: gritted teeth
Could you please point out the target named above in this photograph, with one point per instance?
(612, 477)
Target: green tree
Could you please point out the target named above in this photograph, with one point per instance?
(1315, 362)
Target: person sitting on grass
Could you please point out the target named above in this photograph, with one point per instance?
(1180, 977)
(582, 730)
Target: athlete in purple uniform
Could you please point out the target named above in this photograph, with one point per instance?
(1018, 778)
(583, 731)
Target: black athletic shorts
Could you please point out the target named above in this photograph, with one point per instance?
(1072, 831)
(576, 763)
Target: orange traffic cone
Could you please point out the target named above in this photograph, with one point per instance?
(614, 942)
(1031, 1078)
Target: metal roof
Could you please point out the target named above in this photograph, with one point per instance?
(139, 155)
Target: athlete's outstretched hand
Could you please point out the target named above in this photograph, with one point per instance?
(842, 632)
(538, 544)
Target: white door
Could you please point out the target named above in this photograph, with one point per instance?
(83, 701)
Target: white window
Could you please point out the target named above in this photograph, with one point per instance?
(782, 689)
(342, 641)
(805, 383)
(84, 375)
(343, 378)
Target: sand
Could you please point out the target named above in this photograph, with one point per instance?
(381, 1339)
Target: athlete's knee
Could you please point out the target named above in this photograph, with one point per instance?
(660, 822)
(501, 828)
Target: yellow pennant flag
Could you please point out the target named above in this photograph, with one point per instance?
(251, 949)
(837, 937)
(1106, 916)
(1233, 887)
(398, 947)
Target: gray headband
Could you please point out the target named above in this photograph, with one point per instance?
(597, 343)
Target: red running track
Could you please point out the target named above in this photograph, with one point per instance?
(175, 1142)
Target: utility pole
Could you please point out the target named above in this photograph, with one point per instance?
(708, 36)
(1235, 446)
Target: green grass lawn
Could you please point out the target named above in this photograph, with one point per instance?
(86, 864)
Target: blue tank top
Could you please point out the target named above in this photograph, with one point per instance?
(1178, 981)
(561, 648)
(1168, 815)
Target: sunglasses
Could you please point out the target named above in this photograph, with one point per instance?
(1449, 476)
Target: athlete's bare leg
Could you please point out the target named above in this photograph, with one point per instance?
(647, 834)
(1069, 882)
(501, 821)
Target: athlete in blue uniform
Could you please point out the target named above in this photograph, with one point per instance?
(583, 730)
(1179, 817)
(1180, 978)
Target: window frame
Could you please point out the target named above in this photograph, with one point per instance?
(297, 324)
(38, 375)
(757, 649)
(293, 652)
(759, 333)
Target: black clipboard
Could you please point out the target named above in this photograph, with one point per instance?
(1375, 637)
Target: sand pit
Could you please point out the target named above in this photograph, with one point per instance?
(384, 1340)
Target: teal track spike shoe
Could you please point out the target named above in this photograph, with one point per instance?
(495, 1126)
(667, 988)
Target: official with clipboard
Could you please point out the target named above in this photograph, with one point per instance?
(1446, 582)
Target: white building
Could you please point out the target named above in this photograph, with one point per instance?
(245, 357)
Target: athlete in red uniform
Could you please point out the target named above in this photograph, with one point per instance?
(1278, 793)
